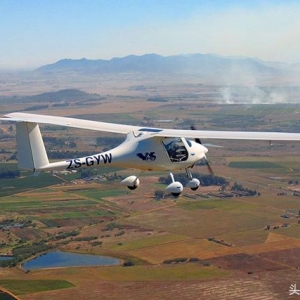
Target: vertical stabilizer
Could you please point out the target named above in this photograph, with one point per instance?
(30, 146)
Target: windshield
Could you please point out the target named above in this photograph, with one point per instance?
(176, 149)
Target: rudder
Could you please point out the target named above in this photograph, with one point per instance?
(32, 154)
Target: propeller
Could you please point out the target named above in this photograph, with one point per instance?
(197, 140)
(210, 170)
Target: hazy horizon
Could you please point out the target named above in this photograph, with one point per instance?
(32, 68)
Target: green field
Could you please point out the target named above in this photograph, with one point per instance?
(18, 185)
(22, 287)
(99, 194)
(219, 204)
(189, 271)
(148, 242)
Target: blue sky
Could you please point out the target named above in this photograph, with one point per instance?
(38, 32)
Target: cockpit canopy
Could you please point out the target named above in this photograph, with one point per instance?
(176, 149)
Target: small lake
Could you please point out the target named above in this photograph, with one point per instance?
(57, 259)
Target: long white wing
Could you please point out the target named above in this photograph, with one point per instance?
(69, 122)
(124, 129)
(231, 135)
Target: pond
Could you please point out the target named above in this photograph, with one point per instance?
(57, 259)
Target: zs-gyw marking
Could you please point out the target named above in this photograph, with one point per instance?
(89, 161)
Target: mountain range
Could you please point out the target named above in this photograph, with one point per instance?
(205, 64)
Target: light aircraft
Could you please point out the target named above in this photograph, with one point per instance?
(144, 149)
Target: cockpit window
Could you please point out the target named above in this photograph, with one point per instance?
(189, 142)
(176, 149)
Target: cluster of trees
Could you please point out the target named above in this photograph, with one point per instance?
(58, 142)
(175, 260)
(239, 188)
(112, 226)
(9, 223)
(86, 173)
(296, 182)
(157, 99)
(4, 135)
(3, 151)
(64, 104)
(37, 107)
(67, 154)
(109, 142)
(96, 243)
(185, 260)
(205, 180)
(64, 235)
(85, 238)
(23, 252)
(187, 122)
(128, 263)
(4, 173)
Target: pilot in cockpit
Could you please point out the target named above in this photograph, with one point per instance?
(175, 149)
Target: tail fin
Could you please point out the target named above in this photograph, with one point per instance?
(30, 146)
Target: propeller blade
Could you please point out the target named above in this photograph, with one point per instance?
(210, 170)
(197, 140)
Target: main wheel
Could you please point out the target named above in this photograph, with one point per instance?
(175, 194)
(133, 187)
(194, 188)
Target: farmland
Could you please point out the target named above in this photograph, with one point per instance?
(198, 246)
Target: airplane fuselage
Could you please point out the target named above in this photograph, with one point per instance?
(141, 152)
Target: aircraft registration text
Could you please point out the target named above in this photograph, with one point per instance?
(89, 161)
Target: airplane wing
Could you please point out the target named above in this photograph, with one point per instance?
(231, 135)
(125, 129)
(69, 122)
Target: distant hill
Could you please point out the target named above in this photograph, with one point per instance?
(62, 96)
(67, 95)
(204, 64)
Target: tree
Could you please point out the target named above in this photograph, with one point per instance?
(159, 194)
(128, 263)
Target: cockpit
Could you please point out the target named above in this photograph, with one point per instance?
(176, 149)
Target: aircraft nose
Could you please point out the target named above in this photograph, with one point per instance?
(201, 150)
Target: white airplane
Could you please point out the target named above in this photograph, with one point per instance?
(145, 149)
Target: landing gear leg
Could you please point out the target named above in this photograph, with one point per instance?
(189, 173)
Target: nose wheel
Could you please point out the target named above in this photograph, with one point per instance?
(194, 183)
(175, 188)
